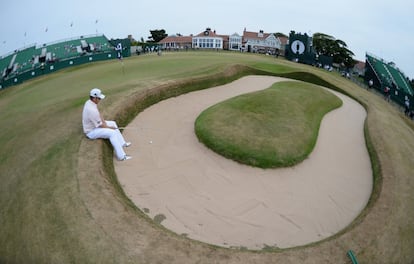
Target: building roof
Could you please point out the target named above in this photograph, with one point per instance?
(211, 33)
(176, 39)
(283, 40)
(255, 35)
(360, 65)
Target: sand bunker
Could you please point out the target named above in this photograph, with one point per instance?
(195, 192)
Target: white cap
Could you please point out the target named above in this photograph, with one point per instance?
(95, 92)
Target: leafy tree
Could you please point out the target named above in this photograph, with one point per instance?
(157, 35)
(139, 42)
(329, 46)
(278, 34)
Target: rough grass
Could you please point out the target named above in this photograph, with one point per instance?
(60, 201)
(276, 127)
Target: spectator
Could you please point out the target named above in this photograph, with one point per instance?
(387, 93)
(370, 83)
(407, 106)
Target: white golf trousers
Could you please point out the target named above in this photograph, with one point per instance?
(114, 136)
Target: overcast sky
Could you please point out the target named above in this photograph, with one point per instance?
(383, 28)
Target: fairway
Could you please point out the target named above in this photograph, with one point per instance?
(61, 201)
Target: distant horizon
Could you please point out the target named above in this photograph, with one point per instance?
(109, 38)
(381, 28)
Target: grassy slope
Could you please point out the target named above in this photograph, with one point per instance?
(59, 203)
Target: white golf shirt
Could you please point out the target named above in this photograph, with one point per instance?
(91, 118)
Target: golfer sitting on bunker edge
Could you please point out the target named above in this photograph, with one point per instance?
(95, 126)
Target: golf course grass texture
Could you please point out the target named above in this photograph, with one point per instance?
(275, 127)
(61, 201)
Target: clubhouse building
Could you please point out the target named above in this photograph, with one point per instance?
(257, 42)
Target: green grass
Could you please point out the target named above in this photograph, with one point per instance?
(276, 127)
(60, 201)
(43, 218)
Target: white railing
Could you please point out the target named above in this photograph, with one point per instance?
(385, 62)
(69, 39)
(16, 50)
(373, 69)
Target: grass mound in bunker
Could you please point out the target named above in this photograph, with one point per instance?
(275, 127)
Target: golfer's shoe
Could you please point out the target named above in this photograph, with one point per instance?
(126, 157)
(127, 144)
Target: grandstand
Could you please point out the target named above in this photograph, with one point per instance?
(33, 60)
(79, 46)
(386, 74)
